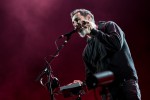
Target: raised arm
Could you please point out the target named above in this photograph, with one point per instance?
(112, 38)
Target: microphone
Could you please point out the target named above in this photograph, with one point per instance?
(68, 34)
(78, 28)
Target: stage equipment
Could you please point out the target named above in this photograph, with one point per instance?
(74, 89)
(99, 79)
(46, 77)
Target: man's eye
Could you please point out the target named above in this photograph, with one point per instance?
(76, 19)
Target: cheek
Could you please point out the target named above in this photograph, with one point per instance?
(74, 24)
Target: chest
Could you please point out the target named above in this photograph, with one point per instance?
(94, 51)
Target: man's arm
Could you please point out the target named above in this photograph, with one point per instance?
(113, 39)
(89, 70)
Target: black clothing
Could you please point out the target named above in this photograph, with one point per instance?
(107, 49)
(127, 90)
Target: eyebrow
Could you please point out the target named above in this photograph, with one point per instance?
(76, 19)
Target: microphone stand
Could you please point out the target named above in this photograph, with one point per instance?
(48, 69)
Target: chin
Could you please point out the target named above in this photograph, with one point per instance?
(82, 34)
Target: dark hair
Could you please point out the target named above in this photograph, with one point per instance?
(83, 12)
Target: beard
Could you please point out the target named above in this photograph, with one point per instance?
(83, 32)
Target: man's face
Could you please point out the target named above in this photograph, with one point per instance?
(77, 21)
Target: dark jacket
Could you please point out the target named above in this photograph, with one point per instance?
(108, 50)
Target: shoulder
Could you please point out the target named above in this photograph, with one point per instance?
(103, 25)
(106, 23)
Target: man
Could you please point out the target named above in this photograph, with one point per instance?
(107, 49)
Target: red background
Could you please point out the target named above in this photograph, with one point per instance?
(28, 29)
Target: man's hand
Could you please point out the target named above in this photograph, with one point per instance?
(84, 27)
(77, 81)
(88, 26)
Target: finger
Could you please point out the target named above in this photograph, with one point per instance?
(75, 81)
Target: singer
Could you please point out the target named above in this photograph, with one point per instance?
(107, 49)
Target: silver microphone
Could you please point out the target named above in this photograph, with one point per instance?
(68, 34)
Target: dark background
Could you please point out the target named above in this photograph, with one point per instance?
(28, 29)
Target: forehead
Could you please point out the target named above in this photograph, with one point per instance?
(77, 15)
